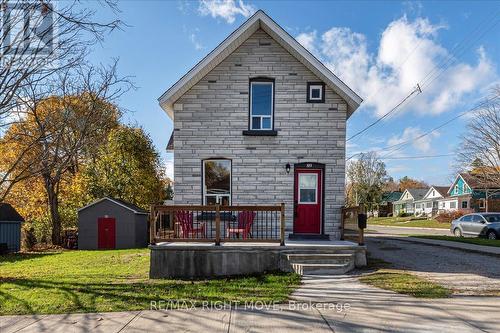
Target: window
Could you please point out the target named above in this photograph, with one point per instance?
(433, 193)
(261, 104)
(217, 182)
(465, 204)
(456, 189)
(428, 205)
(417, 206)
(481, 203)
(464, 188)
(308, 184)
(477, 219)
(453, 204)
(315, 92)
(466, 218)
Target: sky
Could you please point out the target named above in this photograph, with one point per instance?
(382, 50)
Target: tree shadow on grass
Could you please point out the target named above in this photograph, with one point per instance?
(16, 257)
(29, 296)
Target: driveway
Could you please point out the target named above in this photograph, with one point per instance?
(379, 229)
(339, 304)
(467, 273)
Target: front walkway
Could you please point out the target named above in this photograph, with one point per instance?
(343, 305)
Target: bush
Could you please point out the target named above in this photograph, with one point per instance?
(403, 214)
(447, 217)
(29, 239)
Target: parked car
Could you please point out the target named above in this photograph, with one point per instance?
(478, 224)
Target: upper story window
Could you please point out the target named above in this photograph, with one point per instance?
(217, 182)
(315, 92)
(261, 104)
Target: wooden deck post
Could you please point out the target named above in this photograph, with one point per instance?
(152, 224)
(217, 224)
(282, 226)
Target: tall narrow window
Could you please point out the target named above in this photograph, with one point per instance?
(261, 104)
(217, 182)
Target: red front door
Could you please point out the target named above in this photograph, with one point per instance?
(106, 233)
(307, 199)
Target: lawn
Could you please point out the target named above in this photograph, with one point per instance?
(406, 222)
(402, 282)
(477, 241)
(95, 281)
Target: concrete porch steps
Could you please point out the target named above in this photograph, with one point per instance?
(320, 262)
(322, 269)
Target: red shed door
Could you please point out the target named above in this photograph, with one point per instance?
(308, 199)
(106, 230)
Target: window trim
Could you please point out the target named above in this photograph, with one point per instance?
(466, 204)
(482, 203)
(203, 194)
(310, 86)
(261, 80)
(315, 189)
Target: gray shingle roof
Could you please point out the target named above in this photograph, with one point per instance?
(9, 214)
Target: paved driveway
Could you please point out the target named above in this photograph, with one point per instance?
(467, 273)
(378, 229)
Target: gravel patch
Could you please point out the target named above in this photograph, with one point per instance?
(464, 272)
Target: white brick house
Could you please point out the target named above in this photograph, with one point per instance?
(261, 121)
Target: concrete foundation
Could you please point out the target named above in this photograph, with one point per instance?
(198, 260)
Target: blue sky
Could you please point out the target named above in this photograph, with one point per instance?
(380, 49)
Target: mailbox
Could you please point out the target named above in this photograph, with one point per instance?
(362, 221)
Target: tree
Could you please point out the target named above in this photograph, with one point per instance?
(53, 135)
(479, 151)
(127, 167)
(40, 44)
(366, 178)
(408, 183)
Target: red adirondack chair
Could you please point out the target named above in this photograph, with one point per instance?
(185, 219)
(245, 221)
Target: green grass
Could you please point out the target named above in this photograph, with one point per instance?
(405, 283)
(383, 275)
(477, 241)
(94, 281)
(406, 222)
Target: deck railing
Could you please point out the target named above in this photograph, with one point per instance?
(215, 223)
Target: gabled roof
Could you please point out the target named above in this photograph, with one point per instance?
(124, 204)
(9, 214)
(391, 196)
(259, 20)
(415, 193)
(442, 190)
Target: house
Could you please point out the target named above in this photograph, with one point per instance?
(406, 204)
(261, 121)
(429, 204)
(471, 193)
(386, 207)
(110, 223)
(10, 229)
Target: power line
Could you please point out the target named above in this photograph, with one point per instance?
(417, 89)
(415, 157)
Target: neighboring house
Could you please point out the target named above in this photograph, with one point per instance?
(429, 204)
(10, 229)
(386, 207)
(469, 194)
(111, 223)
(406, 204)
(261, 121)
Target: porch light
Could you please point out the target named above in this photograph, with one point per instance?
(287, 168)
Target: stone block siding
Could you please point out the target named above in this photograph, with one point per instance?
(210, 119)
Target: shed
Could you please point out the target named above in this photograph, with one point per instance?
(10, 228)
(110, 223)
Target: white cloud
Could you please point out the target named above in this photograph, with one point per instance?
(307, 40)
(423, 144)
(196, 43)
(406, 52)
(225, 9)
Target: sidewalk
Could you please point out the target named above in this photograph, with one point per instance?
(343, 304)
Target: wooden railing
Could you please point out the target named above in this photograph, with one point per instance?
(350, 226)
(215, 223)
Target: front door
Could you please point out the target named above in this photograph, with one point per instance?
(106, 233)
(307, 201)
